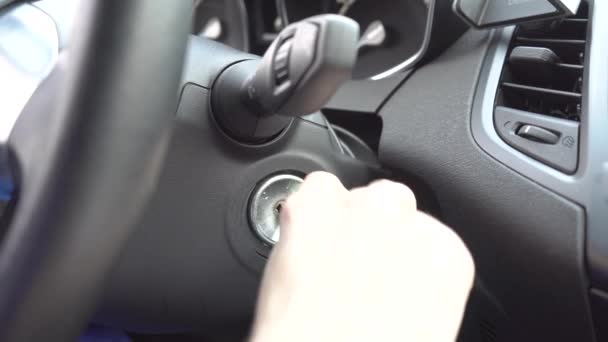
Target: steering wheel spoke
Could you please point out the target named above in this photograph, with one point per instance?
(88, 149)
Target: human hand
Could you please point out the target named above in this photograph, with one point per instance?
(362, 265)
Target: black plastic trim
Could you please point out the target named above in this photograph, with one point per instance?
(560, 10)
(562, 153)
(542, 91)
(584, 187)
(599, 305)
(528, 242)
(551, 41)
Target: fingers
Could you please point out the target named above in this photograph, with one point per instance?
(388, 193)
(387, 200)
(448, 248)
(369, 248)
(322, 194)
(322, 191)
(318, 196)
(319, 182)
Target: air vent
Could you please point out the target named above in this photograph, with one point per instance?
(540, 95)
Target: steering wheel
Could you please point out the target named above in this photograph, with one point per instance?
(87, 157)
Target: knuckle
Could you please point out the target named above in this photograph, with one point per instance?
(388, 194)
(400, 187)
(291, 206)
(448, 241)
(318, 185)
(322, 178)
(290, 212)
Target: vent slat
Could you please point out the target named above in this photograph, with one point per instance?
(546, 92)
(545, 68)
(571, 51)
(572, 67)
(575, 20)
(541, 91)
(580, 43)
(568, 29)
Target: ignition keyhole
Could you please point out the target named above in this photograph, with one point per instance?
(279, 207)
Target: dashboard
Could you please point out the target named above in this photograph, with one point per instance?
(429, 97)
(393, 31)
(438, 110)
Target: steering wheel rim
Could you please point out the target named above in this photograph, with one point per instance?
(88, 164)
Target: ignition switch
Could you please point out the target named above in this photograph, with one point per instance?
(266, 203)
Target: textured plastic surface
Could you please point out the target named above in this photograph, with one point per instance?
(528, 243)
(599, 304)
(194, 263)
(561, 153)
(587, 186)
(365, 96)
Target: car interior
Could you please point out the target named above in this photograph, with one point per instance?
(147, 148)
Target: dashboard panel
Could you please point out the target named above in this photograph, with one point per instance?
(587, 186)
(225, 21)
(533, 230)
(246, 25)
(538, 235)
(527, 241)
(392, 31)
